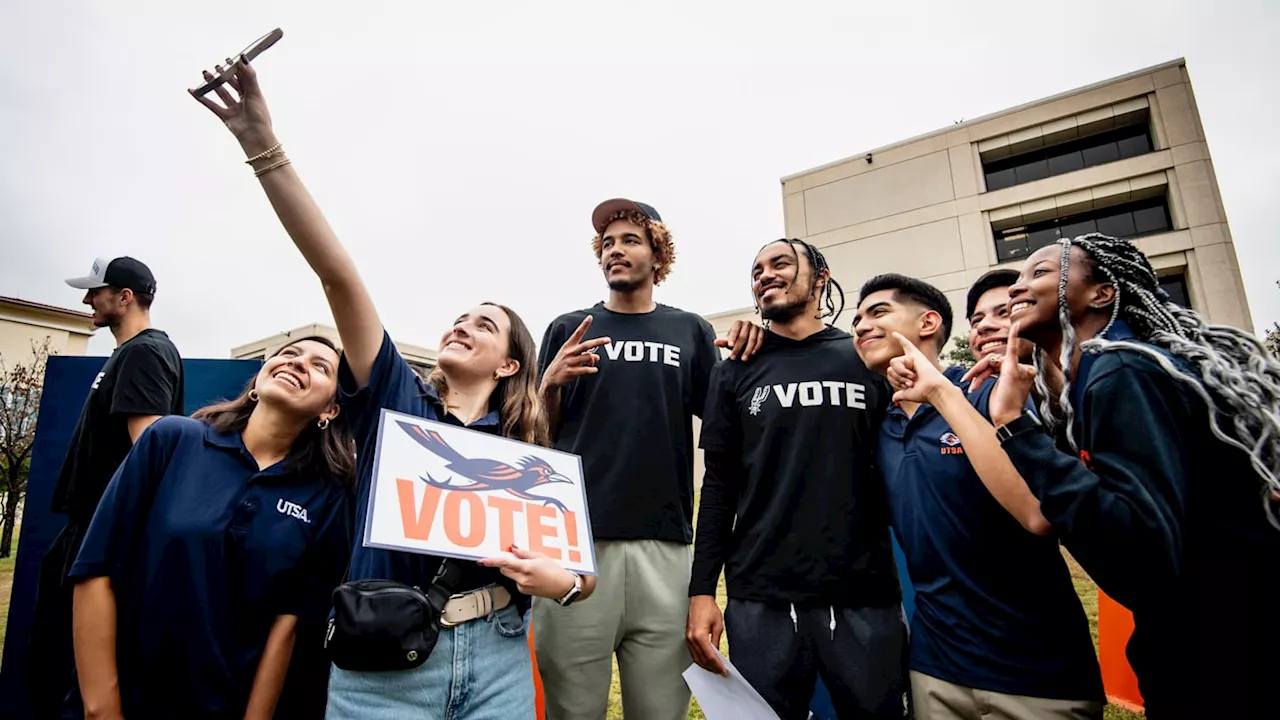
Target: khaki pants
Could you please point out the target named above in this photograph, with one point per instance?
(934, 699)
(638, 610)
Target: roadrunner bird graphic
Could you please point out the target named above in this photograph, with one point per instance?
(485, 474)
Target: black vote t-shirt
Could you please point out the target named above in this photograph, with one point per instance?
(632, 421)
(796, 428)
(143, 376)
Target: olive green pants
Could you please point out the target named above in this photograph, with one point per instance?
(638, 610)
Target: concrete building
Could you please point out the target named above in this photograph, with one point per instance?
(421, 359)
(1126, 156)
(24, 323)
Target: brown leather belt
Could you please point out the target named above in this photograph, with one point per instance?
(468, 606)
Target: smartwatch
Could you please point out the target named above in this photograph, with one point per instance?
(574, 591)
(1025, 421)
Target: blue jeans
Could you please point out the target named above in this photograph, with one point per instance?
(480, 670)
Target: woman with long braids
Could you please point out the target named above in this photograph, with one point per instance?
(1168, 496)
(486, 380)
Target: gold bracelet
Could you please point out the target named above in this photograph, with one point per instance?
(273, 150)
(273, 166)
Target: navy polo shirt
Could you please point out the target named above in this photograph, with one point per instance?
(395, 386)
(995, 606)
(204, 552)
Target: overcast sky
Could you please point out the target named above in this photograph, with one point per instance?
(459, 147)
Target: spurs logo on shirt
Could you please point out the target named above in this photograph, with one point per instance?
(292, 509)
(758, 397)
(836, 393)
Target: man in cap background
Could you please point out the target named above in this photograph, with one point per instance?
(141, 382)
(623, 380)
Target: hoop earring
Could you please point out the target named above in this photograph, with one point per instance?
(497, 376)
(253, 396)
(323, 423)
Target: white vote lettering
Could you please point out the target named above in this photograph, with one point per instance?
(811, 393)
(643, 351)
(835, 388)
(856, 395)
(785, 395)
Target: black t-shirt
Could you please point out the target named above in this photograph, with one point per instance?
(632, 422)
(142, 377)
(790, 438)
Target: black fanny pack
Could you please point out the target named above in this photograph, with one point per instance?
(380, 625)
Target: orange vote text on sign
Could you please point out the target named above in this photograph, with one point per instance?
(468, 519)
(445, 490)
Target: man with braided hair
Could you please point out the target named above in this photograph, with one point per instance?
(1168, 496)
(622, 381)
(794, 510)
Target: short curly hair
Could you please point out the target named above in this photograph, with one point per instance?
(664, 250)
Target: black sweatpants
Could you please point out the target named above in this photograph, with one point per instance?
(861, 654)
(50, 666)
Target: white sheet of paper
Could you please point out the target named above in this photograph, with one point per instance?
(726, 698)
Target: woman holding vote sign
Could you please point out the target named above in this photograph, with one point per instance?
(1168, 496)
(479, 665)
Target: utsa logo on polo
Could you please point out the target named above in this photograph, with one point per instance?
(835, 393)
(641, 351)
(950, 444)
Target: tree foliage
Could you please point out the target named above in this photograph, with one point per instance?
(959, 353)
(21, 387)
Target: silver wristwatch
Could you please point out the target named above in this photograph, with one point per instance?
(574, 591)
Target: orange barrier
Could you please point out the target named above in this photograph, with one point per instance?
(539, 701)
(1115, 625)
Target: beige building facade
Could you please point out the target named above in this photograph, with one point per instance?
(24, 324)
(420, 359)
(1126, 157)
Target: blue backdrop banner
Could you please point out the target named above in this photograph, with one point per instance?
(66, 385)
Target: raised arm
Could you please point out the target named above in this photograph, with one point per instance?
(925, 383)
(246, 115)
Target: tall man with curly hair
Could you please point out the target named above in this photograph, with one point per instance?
(622, 381)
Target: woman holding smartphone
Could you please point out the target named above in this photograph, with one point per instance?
(485, 380)
(216, 535)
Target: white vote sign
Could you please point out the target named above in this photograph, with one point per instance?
(445, 490)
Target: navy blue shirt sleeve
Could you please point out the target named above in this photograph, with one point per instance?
(1120, 511)
(322, 568)
(390, 379)
(705, 357)
(122, 513)
(146, 383)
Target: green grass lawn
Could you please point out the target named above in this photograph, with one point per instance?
(6, 586)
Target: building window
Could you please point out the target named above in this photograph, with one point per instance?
(1097, 149)
(1132, 219)
(1176, 285)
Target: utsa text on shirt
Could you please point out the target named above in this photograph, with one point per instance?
(292, 509)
